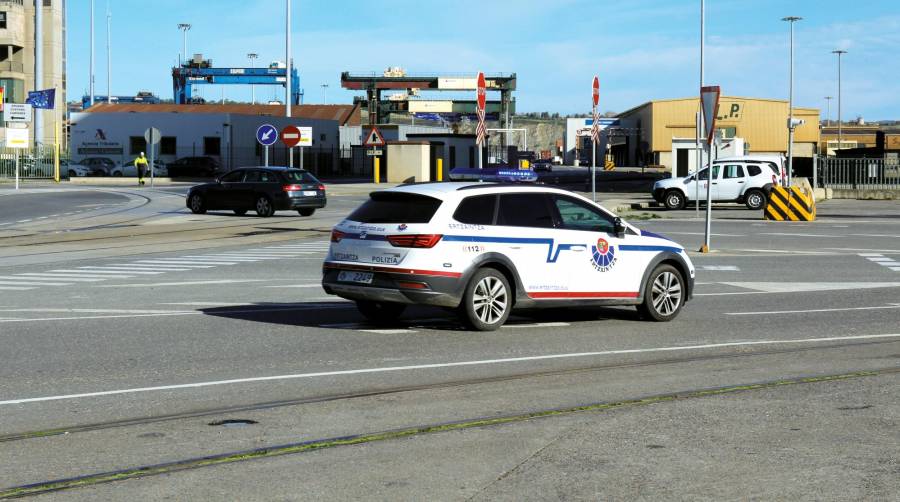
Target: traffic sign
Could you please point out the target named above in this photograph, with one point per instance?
(374, 152)
(267, 135)
(481, 129)
(374, 138)
(17, 138)
(482, 92)
(17, 112)
(290, 136)
(709, 100)
(596, 91)
(306, 136)
(152, 136)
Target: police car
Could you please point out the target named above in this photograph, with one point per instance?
(485, 249)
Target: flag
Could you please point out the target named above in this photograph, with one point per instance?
(2, 94)
(42, 99)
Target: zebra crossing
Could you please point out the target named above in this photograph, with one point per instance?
(882, 260)
(152, 267)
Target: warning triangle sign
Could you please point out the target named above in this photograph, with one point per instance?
(709, 101)
(374, 138)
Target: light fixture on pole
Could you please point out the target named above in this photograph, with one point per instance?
(184, 27)
(324, 94)
(791, 124)
(840, 144)
(251, 56)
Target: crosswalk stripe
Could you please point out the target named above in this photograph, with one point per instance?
(152, 268)
(187, 261)
(8, 288)
(50, 278)
(82, 274)
(229, 258)
(173, 264)
(31, 283)
(265, 253)
(116, 270)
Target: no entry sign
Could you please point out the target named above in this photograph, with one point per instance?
(290, 136)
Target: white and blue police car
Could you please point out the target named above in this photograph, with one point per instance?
(486, 249)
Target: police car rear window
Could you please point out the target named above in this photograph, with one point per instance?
(478, 210)
(396, 207)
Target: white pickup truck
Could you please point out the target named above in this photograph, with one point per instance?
(745, 180)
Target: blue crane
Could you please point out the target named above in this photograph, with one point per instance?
(201, 72)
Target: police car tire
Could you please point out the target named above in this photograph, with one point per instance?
(674, 200)
(755, 200)
(380, 312)
(651, 309)
(472, 316)
(198, 205)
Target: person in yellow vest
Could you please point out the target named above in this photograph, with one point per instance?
(141, 164)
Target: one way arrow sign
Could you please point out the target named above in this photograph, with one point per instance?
(374, 138)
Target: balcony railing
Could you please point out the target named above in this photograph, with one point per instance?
(11, 65)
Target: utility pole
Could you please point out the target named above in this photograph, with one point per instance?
(790, 124)
(251, 56)
(840, 145)
(38, 67)
(289, 63)
(184, 27)
(699, 127)
(91, 77)
(324, 94)
(108, 54)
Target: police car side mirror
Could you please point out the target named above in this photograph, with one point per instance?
(619, 228)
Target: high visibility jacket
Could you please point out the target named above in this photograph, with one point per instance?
(140, 161)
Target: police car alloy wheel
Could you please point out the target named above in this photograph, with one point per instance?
(487, 300)
(197, 206)
(674, 200)
(664, 294)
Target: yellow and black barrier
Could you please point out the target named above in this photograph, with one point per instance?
(609, 166)
(790, 204)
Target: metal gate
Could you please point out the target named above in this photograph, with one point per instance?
(865, 174)
(40, 163)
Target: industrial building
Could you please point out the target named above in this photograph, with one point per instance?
(17, 42)
(662, 132)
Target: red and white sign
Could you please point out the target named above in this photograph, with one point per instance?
(595, 93)
(481, 129)
(290, 136)
(596, 90)
(709, 103)
(374, 138)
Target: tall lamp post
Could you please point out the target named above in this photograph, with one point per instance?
(288, 62)
(839, 53)
(251, 56)
(108, 55)
(324, 94)
(91, 82)
(184, 27)
(828, 110)
(790, 122)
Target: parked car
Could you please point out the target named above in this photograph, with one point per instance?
(72, 169)
(101, 166)
(159, 168)
(194, 167)
(263, 189)
(543, 165)
(745, 182)
(485, 249)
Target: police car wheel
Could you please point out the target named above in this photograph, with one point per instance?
(663, 295)
(755, 200)
(380, 312)
(264, 207)
(674, 200)
(487, 300)
(197, 204)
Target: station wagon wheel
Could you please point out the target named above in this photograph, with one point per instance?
(663, 295)
(307, 211)
(264, 207)
(487, 300)
(755, 199)
(197, 204)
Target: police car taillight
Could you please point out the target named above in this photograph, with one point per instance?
(337, 235)
(414, 241)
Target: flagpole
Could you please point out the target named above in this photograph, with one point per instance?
(38, 66)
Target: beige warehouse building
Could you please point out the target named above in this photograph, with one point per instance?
(662, 132)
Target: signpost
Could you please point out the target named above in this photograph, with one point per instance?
(17, 138)
(709, 103)
(374, 140)
(595, 134)
(152, 136)
(266, 135)
(17, 112)
(481, 129)
(290, 136)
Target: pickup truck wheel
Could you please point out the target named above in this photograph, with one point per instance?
(674, 199)
(755, 200)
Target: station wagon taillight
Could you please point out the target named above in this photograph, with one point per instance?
(292, 188)
(337, 235)
(415, 240)
(321, 187)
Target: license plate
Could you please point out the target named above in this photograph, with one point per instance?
(361, 277)
(310, 193)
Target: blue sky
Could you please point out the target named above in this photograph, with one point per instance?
(641, 49)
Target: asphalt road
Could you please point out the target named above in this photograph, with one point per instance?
(128, 330)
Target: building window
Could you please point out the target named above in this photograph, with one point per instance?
(167, 145)
(212, 145)
(137, 144)
(322, 138)
(48, 3)
(3, 20)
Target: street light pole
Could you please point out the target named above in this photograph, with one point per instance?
(38, 67)
(288, 65)
(790, 169)
(251, 56)
(839, 53)
(91, 83)
(108, 55)
(828, 110)
(700, 127)
(324, 94)
(184, 27)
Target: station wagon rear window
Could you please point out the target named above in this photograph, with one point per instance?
(300, 177)
(396, 207)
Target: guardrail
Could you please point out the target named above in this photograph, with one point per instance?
(860, 174)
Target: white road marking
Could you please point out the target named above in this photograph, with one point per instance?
(138, 266)
(840, 309)
(11, 288)
(171, 264)
(45, 279)
(703, 233)
(877, 235)
(186, 261)
(179, 313)
(799, 287)
(115, 270)
(456, 364)
(895, 269)
(317, 285)
(785, 251)
(537, 325)
(229, 258)
(189, 283)
(387, 331)
(81, 273)
(880, 258)
(723, 268)
(31, 283)
(872, 252)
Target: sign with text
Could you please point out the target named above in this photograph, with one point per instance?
(17, 138)
(17, 112)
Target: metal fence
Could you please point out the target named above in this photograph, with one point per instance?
(34, 163)
(866, 174)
